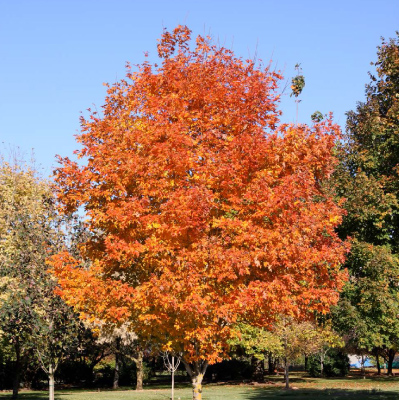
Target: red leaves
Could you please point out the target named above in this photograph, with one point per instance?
(180, 37)
(203, 211)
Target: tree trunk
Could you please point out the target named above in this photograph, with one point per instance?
(378, 365)
(139, 371)
(362, 366)
(116, 371)
(172, 378)
(321, 357)
(17, 371)
(17, 375)
(51, 382)
(196, 372)
(305, 363)
(271, 364)
(286, 375)
(197, 387)
(391, 355)
(258, 369)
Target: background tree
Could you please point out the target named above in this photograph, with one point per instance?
(259, 343)
(367, 177)
(124, 344)
(295, 339)
(320, 340)
(287, 340)
(202, 210)
(32, 318)
(23, 232)
(368, 310)
(54, 332)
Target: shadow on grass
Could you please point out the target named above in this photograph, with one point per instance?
(29, 396)
(292, 378)
(34, 396)
(155, 385)
(320, 394)
(351, 388)
(266, 393)
(377, 378)
(353, 377)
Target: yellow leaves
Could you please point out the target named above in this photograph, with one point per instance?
(168, 346)
(335, 219)
(154, 225)
(8, 287)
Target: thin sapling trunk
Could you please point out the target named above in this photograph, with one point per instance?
(51, 381)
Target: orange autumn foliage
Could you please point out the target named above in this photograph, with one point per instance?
(204, 210)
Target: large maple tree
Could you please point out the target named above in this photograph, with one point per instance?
(204, 210)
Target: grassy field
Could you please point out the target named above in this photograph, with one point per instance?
(303, 388)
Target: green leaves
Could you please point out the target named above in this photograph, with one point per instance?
(298, 82)
(367, 177)
(317, 116)
(32, 316)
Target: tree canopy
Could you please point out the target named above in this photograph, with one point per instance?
(203, 209)
(32, 318)
(367, 177)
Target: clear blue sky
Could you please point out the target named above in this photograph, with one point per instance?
(55, 54)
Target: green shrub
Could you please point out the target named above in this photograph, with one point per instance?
(336, 363)
(234, 369)
(127, 375)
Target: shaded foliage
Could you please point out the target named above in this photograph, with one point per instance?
(367, 177)
(336, 363)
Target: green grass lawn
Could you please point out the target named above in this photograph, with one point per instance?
(303, 388)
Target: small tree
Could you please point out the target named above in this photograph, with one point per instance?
(171, 365)
(256, 342)
(54, 335)
(288, 339)
(296, 339)
(323, 339)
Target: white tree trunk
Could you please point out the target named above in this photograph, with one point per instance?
(172, 378)
(51, 382)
